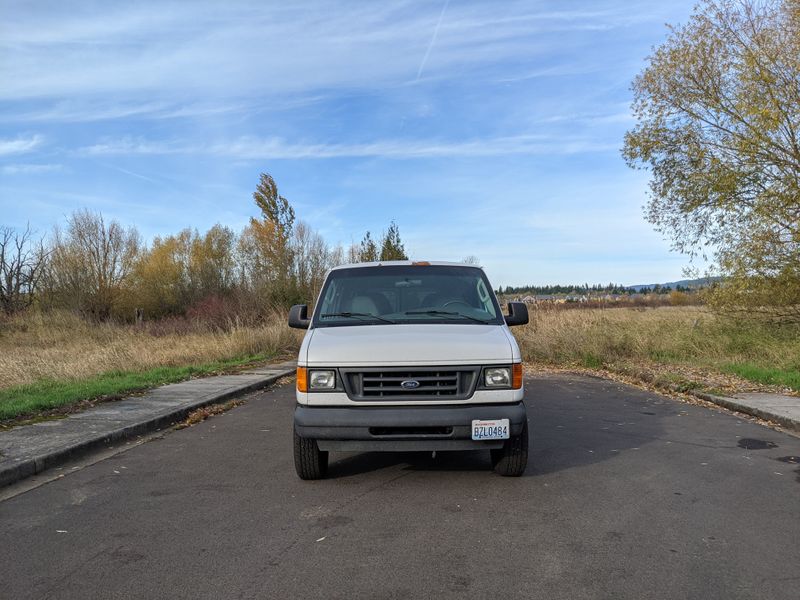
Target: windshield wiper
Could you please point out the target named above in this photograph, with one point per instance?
(356, 315)
(446, 313)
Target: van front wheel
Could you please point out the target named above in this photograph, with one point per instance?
(512, 458)
(309, 461)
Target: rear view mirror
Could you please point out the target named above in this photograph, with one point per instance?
(298, 316)
(517, 314)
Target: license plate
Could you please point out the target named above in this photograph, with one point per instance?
(497, 429)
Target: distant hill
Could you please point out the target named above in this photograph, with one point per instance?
(686, 283)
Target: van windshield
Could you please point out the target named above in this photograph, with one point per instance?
(407, 294)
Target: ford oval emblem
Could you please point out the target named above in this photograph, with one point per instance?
(409, 384)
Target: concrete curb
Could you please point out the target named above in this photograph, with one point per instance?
(35, 464)
(743, 406)
(778, 409)
(754, 411)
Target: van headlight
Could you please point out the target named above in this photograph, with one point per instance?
(497, 377)
(322, 380)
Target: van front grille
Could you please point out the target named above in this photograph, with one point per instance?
(411, 384)
(438, 383)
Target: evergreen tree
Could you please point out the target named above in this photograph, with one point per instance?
(391, 245)
(368, 250)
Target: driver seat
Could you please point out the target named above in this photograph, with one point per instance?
(363, 304)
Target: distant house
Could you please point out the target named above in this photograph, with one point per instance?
(547, 299)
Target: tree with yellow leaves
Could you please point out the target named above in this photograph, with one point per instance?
(718, 110)
(265, 246)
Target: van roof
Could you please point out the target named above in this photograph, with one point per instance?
(387, 263)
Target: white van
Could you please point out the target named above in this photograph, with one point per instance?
(405, 356)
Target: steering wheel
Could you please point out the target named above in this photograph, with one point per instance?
(461, 302)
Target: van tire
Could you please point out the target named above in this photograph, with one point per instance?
(309, 461)
(512, 458)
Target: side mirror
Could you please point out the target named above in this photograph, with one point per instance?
(517, 314)
(298, 316)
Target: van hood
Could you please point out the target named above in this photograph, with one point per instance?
(411, 344)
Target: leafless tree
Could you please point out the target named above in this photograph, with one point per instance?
(312, 258)
(22, 262)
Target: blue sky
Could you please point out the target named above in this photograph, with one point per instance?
(482, 128)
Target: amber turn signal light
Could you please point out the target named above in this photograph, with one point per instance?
(302, 379)
(516, 376)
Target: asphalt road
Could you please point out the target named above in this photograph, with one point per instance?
(627, 495)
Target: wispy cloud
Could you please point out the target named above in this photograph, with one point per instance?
(581, 68)
(76, 111)
(30, 168)
(238, 49)
(622, 116)
(132, 146)
(276, 148)
(20, 145)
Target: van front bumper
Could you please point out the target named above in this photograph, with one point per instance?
(358, 429)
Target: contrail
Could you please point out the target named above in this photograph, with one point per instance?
(127, 172)
(433, 41)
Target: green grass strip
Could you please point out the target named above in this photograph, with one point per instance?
(24, 400)
(770, 375)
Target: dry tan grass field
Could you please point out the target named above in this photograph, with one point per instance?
(62, 346)
(686, 341)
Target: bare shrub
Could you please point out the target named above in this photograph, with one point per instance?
(22, 262)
